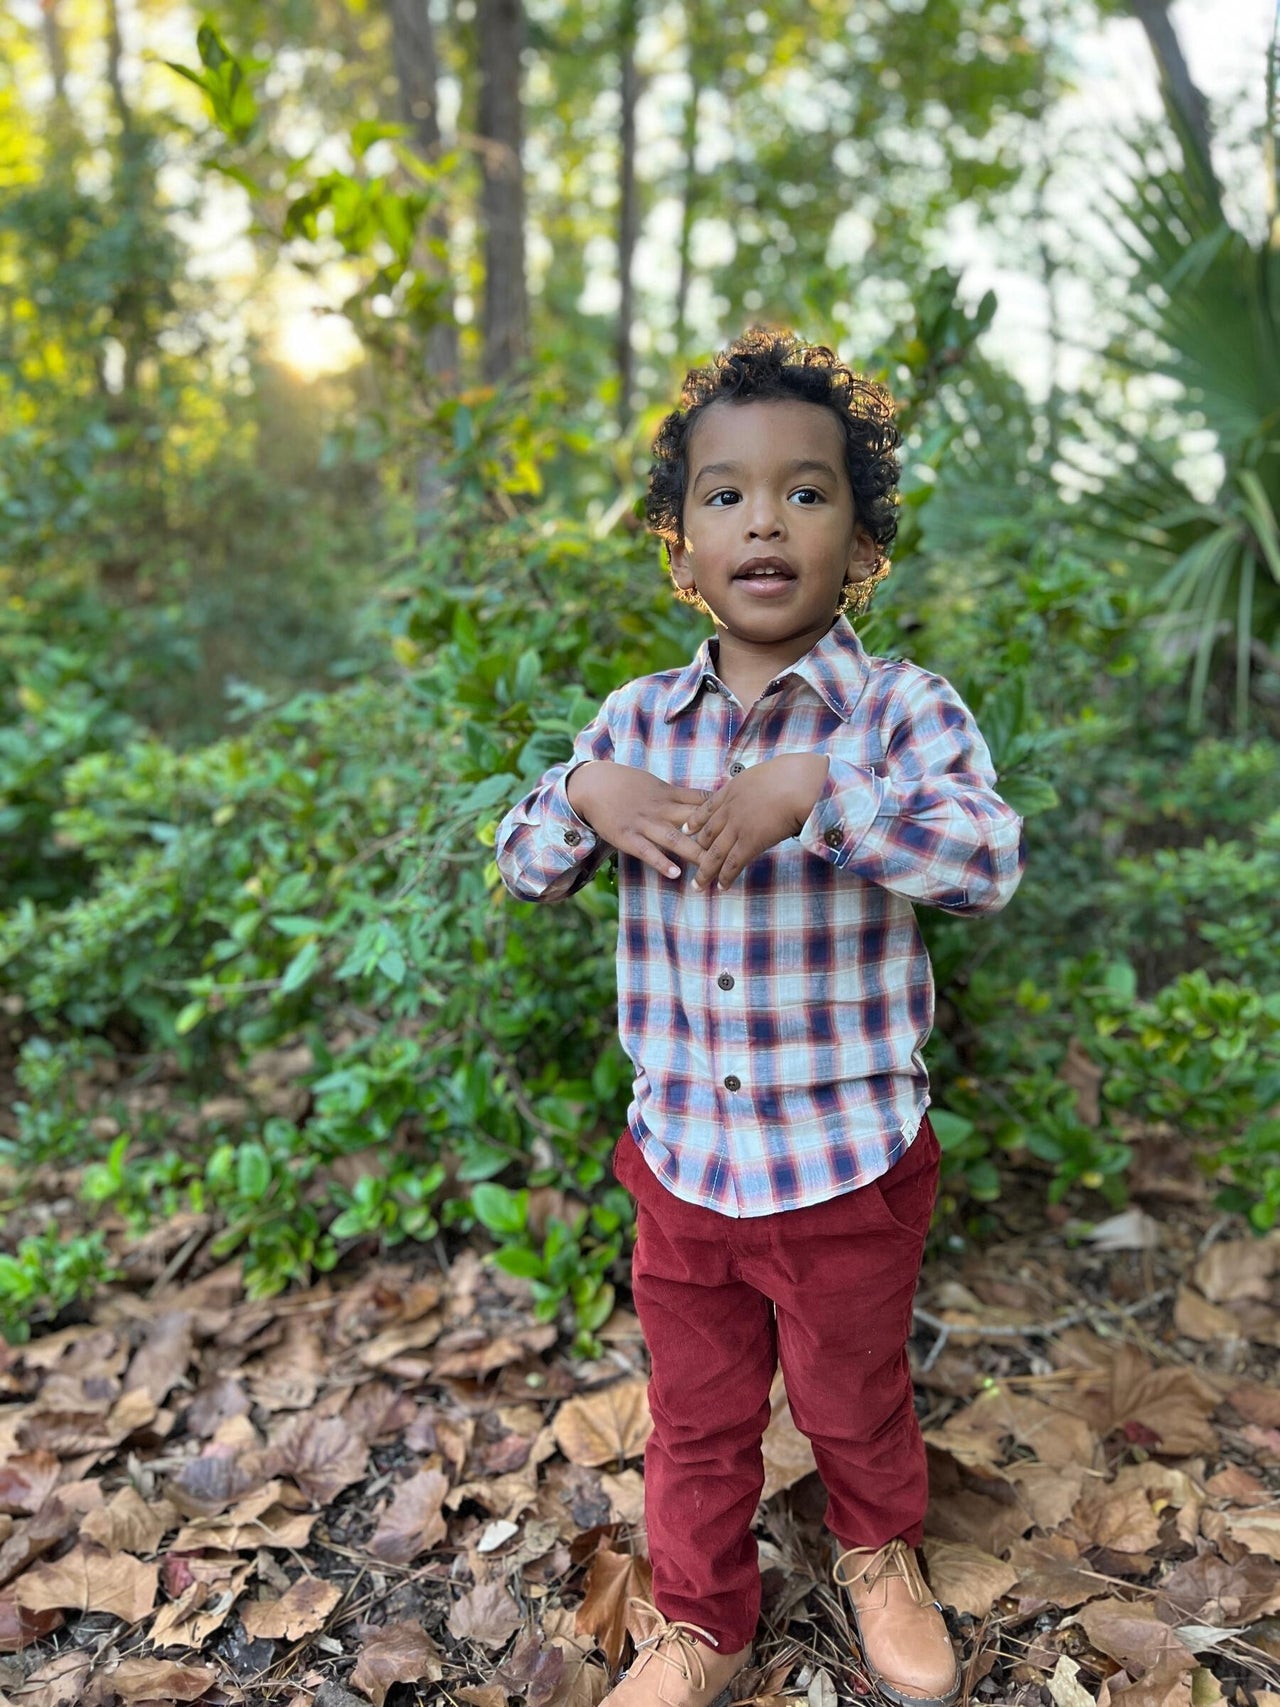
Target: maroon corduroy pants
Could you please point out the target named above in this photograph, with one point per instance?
(826, 1291)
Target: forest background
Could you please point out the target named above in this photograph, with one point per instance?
(277, 647)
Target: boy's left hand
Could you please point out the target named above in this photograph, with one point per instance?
(756, 810)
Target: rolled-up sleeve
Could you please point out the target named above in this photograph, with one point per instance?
(543, 849)
(932, 828)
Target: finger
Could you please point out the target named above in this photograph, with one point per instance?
(715, 810)
(713, 858)
(657, 858)
(706, 803)
(666, 834)
(712, 827)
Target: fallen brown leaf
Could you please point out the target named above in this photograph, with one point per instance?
(1166, 1685)
(532, 1670)
(1257, 1529)
(208, 1484)
(1051, 1573)
(1130, 1631)
(1172, 1404)
(1237, 1268)
(160, 1680)
(127, 1524)
(1198, 1319)
(26, 1481)
(413, 1522)
(34, 1537)
(203, 1605)
(397, 1653)
(1056, 1436)
(1208, 1590)
(19, 1627)
(60, 1682)
(89, 1580)
(483, 1694)
(161, 1360)
(300, 1611)
(486, 1614)
(1256, 1403)
(967, 1578)
(1237, 1485)
(612, 1580)
(320, 1454)
(378, 1411)
(625, 1492)
(1046, 1494)
(788, 1456)
(1116, 1517)
(605, 1427)
(1064, 1685)
(385, 1347)
(214, 1405)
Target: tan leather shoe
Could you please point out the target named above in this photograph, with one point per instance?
(676, 1665)
(900, 1627)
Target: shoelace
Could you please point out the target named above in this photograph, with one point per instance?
(679, 1635)
(895, 1559)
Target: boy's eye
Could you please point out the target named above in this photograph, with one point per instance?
(809, 494)
(729, 496)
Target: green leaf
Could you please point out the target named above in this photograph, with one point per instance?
(951, 1129)
(513, 1260)
(503, 1212)
(253, 1172)
(300, 968)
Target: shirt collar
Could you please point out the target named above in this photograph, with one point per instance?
(836, 668)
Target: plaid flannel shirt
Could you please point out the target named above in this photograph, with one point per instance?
(776, 1027)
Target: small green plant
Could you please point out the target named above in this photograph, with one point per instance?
(45, 1275)
(568, 1265)
(51, 1125)
(393, 1209)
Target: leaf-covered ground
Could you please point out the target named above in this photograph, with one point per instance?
(397, 1487)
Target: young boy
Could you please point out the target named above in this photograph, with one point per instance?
(776, 807)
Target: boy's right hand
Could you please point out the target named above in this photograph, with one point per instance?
(636, 812)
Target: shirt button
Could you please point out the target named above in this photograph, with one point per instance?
(713, 687)
(834, 838)
(572, 838)
(733, 1083)
(725, 980)
(736, 768)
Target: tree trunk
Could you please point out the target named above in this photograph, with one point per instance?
(689, 200)
(133, 190)
(54, 49)
(500, 26)
(413, 47)
(628, 220)
(1186, 105)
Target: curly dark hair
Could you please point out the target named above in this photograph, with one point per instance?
(764, 365)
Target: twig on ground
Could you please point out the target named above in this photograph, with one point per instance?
(1024, 1330)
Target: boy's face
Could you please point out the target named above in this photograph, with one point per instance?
(770, 536)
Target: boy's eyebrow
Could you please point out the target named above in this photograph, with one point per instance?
(802, 465)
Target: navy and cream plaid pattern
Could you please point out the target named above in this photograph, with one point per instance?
(776, 1026)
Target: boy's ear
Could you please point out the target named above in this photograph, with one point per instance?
(681, 565)
(863, 556)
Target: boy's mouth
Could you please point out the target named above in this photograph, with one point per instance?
(765, 569)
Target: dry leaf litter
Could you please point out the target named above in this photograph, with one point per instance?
(397, 1487)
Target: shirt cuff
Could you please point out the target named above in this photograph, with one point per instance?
(843, 813)
(562, 823)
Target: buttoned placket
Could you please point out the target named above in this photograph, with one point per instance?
(728, 1000)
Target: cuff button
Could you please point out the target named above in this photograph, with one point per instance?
(834, 838)
(572, 838)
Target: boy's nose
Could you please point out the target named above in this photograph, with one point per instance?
(764, 521)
